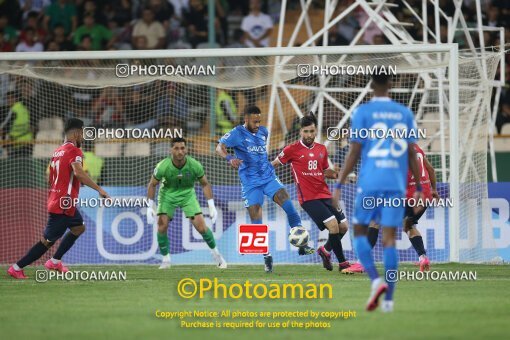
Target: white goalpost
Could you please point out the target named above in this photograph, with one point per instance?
(448, 90)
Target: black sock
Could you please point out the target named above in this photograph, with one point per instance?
(336, 244)
(327, 245)
(417, 243)
(32, 255)
(373, 234)
(65, 245)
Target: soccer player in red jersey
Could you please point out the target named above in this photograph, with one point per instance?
(309, 163)
(428, 184)
(66, 174)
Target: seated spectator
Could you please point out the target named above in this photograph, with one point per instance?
(239, 39)
(61, 12)
(30, 44)
(33, 22)
(33, 6)
(52, 46)
(140, 43)
(80, 108)
(61, 39)
(504, 113)
(9, 32)
(5, 46)
(151, 29)
(196, 23)
(89, 6)
(257, 26)
(108, 108)
(98, 33)
(120, 11)
(180, 8)
(172, 107)
(85, 43)
(163, 12)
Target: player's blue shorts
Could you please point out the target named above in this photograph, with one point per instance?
(254, 194)
(365, 210)
(58, 224)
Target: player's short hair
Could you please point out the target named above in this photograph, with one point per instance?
(178, 140)
(308, 120)
(252, 110)
(381, 79)
(73, 123)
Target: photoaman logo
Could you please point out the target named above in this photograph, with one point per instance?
(253, 239)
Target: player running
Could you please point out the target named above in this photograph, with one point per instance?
(309, 163)
(178, 174)
(257, 175)
(383, 174)
(66, 174)
(428, 183)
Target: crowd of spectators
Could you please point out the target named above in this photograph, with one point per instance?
(86, 25)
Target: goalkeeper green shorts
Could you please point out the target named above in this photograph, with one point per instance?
(191, 207)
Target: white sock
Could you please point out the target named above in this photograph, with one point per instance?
(16, 267)
(422, 257)
(166, 258)
(376, 282)
(215, 251)
(55, 261)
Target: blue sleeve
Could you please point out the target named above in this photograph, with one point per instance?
(412, 127)
(356, 126)
(231, 139)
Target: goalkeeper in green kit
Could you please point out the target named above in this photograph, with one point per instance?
(178, 175)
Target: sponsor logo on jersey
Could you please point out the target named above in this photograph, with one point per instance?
(257, 149)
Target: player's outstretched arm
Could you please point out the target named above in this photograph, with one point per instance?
(276, 163)
(432, 177)
(415, 170)
(85, 179)
(151, 193)
(331, 173)
(350, 163)
(221, 150)
(207, 188)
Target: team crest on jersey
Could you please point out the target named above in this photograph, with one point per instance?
(321, 155)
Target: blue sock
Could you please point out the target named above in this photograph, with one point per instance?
(390, 263)
(364, 252)
(257, 221)
(292, 214)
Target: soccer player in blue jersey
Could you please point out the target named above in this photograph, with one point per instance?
(258, 178)
(383, 174)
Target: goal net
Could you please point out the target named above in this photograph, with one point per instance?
(148, 97)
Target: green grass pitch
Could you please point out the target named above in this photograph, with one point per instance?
(126, 309)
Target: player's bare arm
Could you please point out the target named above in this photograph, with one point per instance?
(151, 193)
(208, 193)
(85, 179)
(350, 163)
(276, 163)
(415, 170)
(432, 176)
(206, 187)
(151, 188)
(331, 173)
(221, 150)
